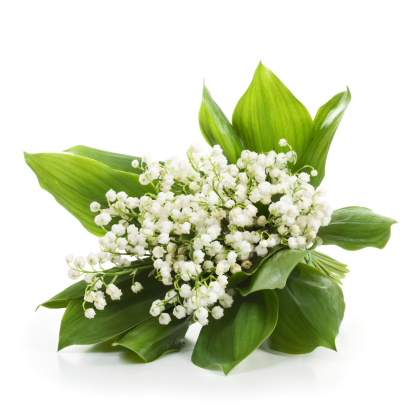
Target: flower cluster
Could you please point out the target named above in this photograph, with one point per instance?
(205, 221)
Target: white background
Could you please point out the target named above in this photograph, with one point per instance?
(127, 77)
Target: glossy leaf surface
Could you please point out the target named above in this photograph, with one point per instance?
(77, 290)
(151, 340)
(354, 228)
(120, 162)
(256, 261)
(311, 309)
(268, 112)
(273, 273)
(76, 182)
(116, 318)
(326, 122)
(228, 341)
(217, 129)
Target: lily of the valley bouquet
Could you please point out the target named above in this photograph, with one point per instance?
(228, 239)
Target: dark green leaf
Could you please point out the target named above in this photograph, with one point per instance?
(76, 182)
(354, 228)
(151, 340)
(77, 290)
(228, 341)
(113, 160)
(268, 112)
(311, 308)
(116, 318)
(217, 129)
(62, 299)
(273, 273)
(326, 123)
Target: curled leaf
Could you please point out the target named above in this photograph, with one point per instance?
(311, 309)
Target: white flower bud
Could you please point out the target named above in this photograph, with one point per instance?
(95, 206)
(114, 292)
(90, 313)
(69, 258)
(136, 287)
(164, 319)
(111, 195)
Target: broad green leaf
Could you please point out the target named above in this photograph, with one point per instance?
(228, 341)
(311, 308)
(326, 122)
(117, 317)
(151, 340)
(354, 228)
(76, 182)
(113, 160)
(77, 290)
(268, 112)
(273, 273)
(217, 129)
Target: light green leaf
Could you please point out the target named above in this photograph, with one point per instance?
(273, 273)
(228, 341)
(311, 309)
(113, 160)
(77, 290)
(354, 228)
(268, 112)
(326, 122)
(76, 182)
(117, 317)
(328, 266)
(151, 340)
(217, 129)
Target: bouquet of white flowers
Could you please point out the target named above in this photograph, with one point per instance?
(227, 239)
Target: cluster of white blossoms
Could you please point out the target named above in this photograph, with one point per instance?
(205, 221)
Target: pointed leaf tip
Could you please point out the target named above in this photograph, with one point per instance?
(267, 112)
(217, 129)
(326, 123)
(311, 311)
(114, 320)
(228, 341)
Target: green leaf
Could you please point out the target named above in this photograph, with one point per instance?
(354, 228)
(228, 341)
(62, 299)
(77, 290)
(326, 122)
(275, 271)
(116, 318)
(113, 160)
(76, 182)
(151, 340)
(217, 129)
(256, 261)
(268, 112)
(311, 309)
